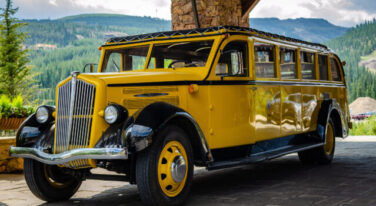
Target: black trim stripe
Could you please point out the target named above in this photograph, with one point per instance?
(257, 82)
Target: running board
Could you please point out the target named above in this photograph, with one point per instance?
(262, 156)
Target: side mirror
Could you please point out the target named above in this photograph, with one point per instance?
(90, 66)
(344, 63)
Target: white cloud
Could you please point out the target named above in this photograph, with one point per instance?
(340, 12)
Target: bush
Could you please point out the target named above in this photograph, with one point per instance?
(366, 127)
(14, 108)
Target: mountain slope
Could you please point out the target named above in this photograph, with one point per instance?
(357, 42)
(64, 31)
(313, 30)
(146, 23)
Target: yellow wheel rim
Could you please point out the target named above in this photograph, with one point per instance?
(172, 168)
(329, 144)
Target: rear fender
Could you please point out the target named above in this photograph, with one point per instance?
(331, 109)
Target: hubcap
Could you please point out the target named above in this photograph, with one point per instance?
(172, 168)
(178, 169)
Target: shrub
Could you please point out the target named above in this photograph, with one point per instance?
(366, 127)
(14, 108)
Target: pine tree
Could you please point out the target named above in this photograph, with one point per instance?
(15, 73)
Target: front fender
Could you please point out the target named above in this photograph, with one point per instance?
(31, 132)
(138, 131)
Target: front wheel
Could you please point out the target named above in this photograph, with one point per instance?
(324, 154)
(164, 171)
(48, 182)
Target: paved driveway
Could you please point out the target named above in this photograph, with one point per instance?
(350, 180)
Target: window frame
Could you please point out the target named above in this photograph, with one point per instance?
(340, 69)
(297, 58)
(275, 63)
(327, 67)
(246, 59)
(315, 65)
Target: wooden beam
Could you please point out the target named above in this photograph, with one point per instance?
(194, 7)
(247, 7)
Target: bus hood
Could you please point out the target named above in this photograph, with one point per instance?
(144, 77)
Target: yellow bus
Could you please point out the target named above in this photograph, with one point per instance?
(161, 103)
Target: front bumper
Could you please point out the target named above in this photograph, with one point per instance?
(71, 155)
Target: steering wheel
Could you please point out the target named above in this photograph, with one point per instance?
(187, 62)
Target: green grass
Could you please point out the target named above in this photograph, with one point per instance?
(366, 127)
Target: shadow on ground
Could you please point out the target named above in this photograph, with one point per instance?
(349, 180)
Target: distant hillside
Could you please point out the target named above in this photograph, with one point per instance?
(144, 23)
(64, 31)
(68, 43)
(357, 42)
(313, 30)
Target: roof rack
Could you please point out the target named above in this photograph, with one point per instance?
(204, 31)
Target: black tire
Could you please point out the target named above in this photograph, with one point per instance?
(320, 155)
(48, 183)
(147, 168)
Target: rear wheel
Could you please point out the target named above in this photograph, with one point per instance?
(324, 154)
(48, 182)
(164, 171)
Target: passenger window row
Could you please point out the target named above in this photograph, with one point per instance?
(266, 68)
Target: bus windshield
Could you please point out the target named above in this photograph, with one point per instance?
(180, 55)
(171, 55)
(125, 59)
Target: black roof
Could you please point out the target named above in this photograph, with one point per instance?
(202, 31)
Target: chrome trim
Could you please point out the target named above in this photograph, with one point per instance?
(71, 107)
(139, 136)
(74, 117)
(68, 156)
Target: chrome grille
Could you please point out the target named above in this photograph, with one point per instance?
(74, 116)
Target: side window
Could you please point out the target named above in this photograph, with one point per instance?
(323, 67)
(113, 62)
(233, 60)
(288, 63)
(336, 75)
(307, 61)
(264, 60)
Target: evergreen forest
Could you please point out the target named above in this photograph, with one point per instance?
(357, 42)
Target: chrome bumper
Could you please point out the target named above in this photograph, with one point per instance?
(76, 154)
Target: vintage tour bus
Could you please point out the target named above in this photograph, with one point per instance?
(161, 103)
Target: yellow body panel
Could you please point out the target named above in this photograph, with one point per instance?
(229, 114)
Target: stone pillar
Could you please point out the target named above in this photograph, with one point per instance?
(210, 13)
(7, 163)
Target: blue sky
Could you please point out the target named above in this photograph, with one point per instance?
(340, 12)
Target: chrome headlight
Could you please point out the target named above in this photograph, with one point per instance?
(115, 113)
(42, 114)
